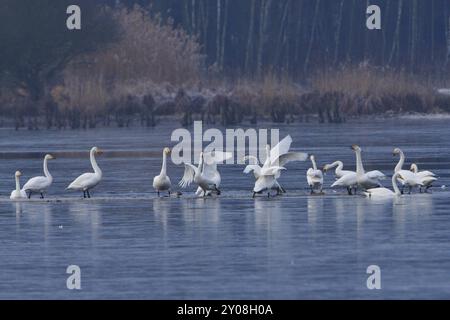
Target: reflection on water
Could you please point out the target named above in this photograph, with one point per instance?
(131, 244)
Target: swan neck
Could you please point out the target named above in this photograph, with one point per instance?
(400, 163)
(314, 164)
(359, 164)
(339, 166)
(46, 172)
(17, 184)
(164, 164)
(94, 164)
(394, 185)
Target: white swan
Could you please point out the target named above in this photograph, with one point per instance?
(206, 175)
(427, 177)
(278, 156)
(339, 172)
(385, 192)
(314, 177)
(366, 180)
(42, 183)
(267, 180)
(162, 181)
(344, 178)
(18, 193)
(89, 180)
(405, 177)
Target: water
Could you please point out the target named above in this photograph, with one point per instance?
(130, 244)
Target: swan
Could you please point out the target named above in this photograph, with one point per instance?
(278, 156)
(88, 180)
(339, 166)
(314, 176)
(40, 184)
(162, 181)
(206, 175)
(349, 182)
(366, 180)
(427, 177)
(18, 193)
(405, 177)
(385, 192)
(266, 178)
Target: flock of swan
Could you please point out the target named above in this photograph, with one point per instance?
(207, 177)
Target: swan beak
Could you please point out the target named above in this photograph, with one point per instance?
(52, 158)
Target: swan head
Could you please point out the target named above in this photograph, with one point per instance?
(96, 150)
(18, 174)
(355, 147)
(166, 151)
(396, 151)
(326, 167)
(49, 157)
(414, 168)
(311, 157)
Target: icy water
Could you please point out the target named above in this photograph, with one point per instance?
(131, 245)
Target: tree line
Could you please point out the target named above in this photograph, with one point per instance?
(296, 36)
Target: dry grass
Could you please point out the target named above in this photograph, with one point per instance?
(149, 53)
(366, 90)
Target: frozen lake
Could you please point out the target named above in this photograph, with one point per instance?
(130, 244)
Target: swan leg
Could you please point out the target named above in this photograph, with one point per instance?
(268, 194)
(280, 187)
(42, 195)
(88, 194)
(29, 194)
(254, 194)
(217, 190)
(349, 190)
(312, 190)
(403, 189)
(169, 192)
(84, 194)
(157, 193)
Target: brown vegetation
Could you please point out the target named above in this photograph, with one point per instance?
(155, 70)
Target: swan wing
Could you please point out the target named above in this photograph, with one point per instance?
(379, 192)
(378, 175)
(290, 157)
(83, 181)
(281, 148)
(272, 171)
(189, 174)
(346, 180)
(216, 157)
(36, 183)
(314, 173)
(423, 174)
(251, 159)
(264, 183)
(253, 167)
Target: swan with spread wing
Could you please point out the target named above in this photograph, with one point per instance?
(205, 175)
(276, 159)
